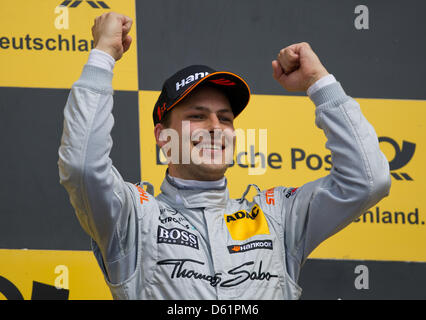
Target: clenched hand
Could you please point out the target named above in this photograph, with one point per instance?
(110, 34)
(297, 67)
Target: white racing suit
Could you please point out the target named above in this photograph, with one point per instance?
(200, 244)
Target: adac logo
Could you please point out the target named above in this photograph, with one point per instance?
(93, 4)
(402, 156)
(243, 224)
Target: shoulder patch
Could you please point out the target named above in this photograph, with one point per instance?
(290, 192)
(143, 195)
(269, 195)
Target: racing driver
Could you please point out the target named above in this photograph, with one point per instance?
(192, 241)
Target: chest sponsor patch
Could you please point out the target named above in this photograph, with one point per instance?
(177, 236)
(188, 269)
(252, 245)
(243, 224)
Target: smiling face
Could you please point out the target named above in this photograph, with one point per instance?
(207, 118)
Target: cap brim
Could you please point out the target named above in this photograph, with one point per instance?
(235, 88)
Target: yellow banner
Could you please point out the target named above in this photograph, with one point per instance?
(37, 274)
(45, 44)
(394, 229)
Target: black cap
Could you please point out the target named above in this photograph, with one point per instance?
(179, 85)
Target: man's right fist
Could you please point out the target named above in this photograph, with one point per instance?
(110, 34)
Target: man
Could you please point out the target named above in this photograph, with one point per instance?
(192, 241)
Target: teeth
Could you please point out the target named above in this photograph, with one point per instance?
(214, 147)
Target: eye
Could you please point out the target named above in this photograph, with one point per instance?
(196, 116)
(226, 119)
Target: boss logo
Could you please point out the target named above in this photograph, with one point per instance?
(177, 236)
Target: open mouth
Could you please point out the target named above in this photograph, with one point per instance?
(209, 153)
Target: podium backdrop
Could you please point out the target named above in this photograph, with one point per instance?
(376, 49)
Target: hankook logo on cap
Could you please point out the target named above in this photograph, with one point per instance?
(191, 78)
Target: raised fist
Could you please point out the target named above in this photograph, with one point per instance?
(297, 67)
(110, 34)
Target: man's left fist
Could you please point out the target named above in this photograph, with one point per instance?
(297, 67)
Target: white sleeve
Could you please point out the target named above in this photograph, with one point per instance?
(101, 59)
(102, 200)
(321, 83)
(358, 179)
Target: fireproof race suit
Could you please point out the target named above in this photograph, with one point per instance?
(191, 243)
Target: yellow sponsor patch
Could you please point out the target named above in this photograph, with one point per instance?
(243, 225)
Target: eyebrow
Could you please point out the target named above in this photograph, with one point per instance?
(201, 108)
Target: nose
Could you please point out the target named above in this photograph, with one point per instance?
(214, 122)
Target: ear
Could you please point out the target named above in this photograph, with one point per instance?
(157, 131)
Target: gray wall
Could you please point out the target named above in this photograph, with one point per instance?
(385, 61)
